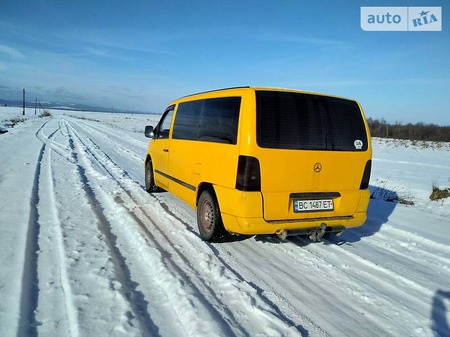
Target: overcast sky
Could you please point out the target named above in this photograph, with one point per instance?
(139, 55)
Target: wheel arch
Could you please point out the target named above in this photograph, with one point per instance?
(206, 187)
(147, 159)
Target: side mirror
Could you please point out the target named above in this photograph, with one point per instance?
(149, 131)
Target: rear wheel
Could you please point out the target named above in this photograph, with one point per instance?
(209, 220)
(149, 178)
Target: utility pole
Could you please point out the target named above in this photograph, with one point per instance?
(35, 107)
(23, 111)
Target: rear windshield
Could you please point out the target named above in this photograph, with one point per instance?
(308, 122)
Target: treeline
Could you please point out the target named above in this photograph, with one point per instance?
(420, 131)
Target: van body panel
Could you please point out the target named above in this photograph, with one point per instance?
(363, 201)
(293, 172)
(330, 172)
(193, 163)
(238, 203)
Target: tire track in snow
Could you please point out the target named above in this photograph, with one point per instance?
(356, 259)
(230, 321)
(128, 286)
(370, 282)
(271, 311)
(331, 275)
(406, 253)
(259, 290)
(30, 287)
(227, 331)
(399, 235)
(49, 217)
(27, 325)
(276, 297)
(113, 137)
(109, 133)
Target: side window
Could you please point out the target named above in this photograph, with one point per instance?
(209, 120)
(219, 120)
(163, 127)
(187, 120)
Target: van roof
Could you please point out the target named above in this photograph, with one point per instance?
(265, 89)
(214, 90)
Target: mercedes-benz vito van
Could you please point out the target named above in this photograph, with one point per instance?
(264, 161)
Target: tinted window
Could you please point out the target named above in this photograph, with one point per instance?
(187, 120)
(311, 122)
(210, 120)
(219, 120)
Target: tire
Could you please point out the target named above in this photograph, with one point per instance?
(209, 220)
(149, 178)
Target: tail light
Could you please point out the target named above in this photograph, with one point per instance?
(366, 176)
(248, 174)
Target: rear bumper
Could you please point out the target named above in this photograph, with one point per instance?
(242, 214)
(252, 226)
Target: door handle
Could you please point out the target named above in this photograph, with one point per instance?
(166, 150)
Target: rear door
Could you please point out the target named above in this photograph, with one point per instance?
(312, 151)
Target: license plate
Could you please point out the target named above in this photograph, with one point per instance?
(313, 205)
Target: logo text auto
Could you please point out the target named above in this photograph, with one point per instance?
(401, 18)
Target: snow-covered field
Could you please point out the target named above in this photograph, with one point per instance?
(85, 251)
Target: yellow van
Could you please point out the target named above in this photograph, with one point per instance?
(264, 161)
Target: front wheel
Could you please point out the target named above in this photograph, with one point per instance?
(209, 220)
(149, 178)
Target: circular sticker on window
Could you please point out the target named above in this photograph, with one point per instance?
(358, 144)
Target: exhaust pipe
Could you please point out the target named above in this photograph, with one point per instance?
(314, 234)
(318, 234)
(283, 235)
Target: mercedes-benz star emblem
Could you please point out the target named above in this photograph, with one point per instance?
(317, 167)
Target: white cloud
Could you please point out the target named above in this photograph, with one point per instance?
(11, 52)
(96, 52)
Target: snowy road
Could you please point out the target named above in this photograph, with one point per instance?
(85, 251)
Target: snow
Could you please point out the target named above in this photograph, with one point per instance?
(85, 251)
